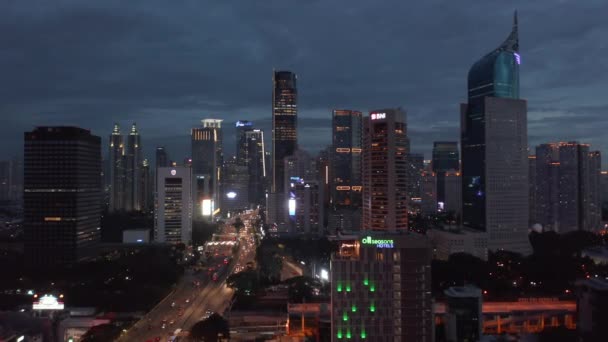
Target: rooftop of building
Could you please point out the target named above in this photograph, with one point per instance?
(597, 284)
(467, 291)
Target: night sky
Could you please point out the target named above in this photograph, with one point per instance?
(168, 64)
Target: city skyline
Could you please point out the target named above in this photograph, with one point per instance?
(78, 90)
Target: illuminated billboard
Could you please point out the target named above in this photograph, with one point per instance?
(292, 207)
(378, 116)
(379, 243)
(48, 302)
(206, 207)
(231, 195)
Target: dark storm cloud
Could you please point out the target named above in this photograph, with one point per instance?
(166, 65)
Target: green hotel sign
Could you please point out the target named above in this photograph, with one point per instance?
(379, 243)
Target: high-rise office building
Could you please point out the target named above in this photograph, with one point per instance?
(242, 127)
(62, 195)
(235, 186)
(453, 194)
(532, 189)
(173, 208)
(298, 166)
(5, 180)
(207, 161)
(346, 158)
(146, 187)
(133, 165)
(16, 183)
(494, 150)
(464, 316)
(117, 170)
(428, 199)
(567, 187)
(415, 166)
(304, 208)
(162, 158)
(381, 289)
(384, 170)
(345, 173)
(284, 124)
(256, 166)
(595, 194)
(445, 158)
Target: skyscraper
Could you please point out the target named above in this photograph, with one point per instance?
(207, 160)
(346, 158)
(242, 127)
(415, 166)
(346, 168)
(117, 170)
(173, 209)
(385, 157)
(445, 158)
(5, 180)
(134, 161)
(568, 187)
(235, 186)
(494, 149)
(162, 159)
(284, 124)
(256, 165)
(62, 195)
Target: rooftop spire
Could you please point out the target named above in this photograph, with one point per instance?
(133, 129)
(116, 130)
(512, 41)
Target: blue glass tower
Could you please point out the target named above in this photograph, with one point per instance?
(494, 148)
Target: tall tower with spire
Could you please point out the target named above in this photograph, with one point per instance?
(117, 170)
(133, 181)
(494, 149)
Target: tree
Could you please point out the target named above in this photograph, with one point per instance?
(244, 283)
(300, 289)
(210, 329)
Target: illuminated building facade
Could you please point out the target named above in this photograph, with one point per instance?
(385, 158)
(284, 124)
(415, 166)
(445, 158)
(242, 127)
(494, 150)
(256, 166)
(381, 289)
(346, 183)
(133, 171)
(207, 161)
(235, 186)
(117, 170)
(568, 187)
(62, 195)
(173, 208)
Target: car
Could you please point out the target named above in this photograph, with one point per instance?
(187, 300)
(215, 277)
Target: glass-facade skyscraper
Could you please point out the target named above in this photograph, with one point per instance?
(284, 124)
(445, 158)
(62, 195)
(207, 161)
(494, 149)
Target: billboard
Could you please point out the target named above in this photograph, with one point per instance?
(292, 207)
(48, 302)
(206, 207)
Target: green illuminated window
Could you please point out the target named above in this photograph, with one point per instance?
(339, 288)
(363, 334)
(348, 335)
(366, 282)
(339, 334)
(353, 309)
(372, 308)
(372, 288)
(345, 317)
(347, 288)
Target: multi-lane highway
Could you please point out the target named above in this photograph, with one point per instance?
(198, 293)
